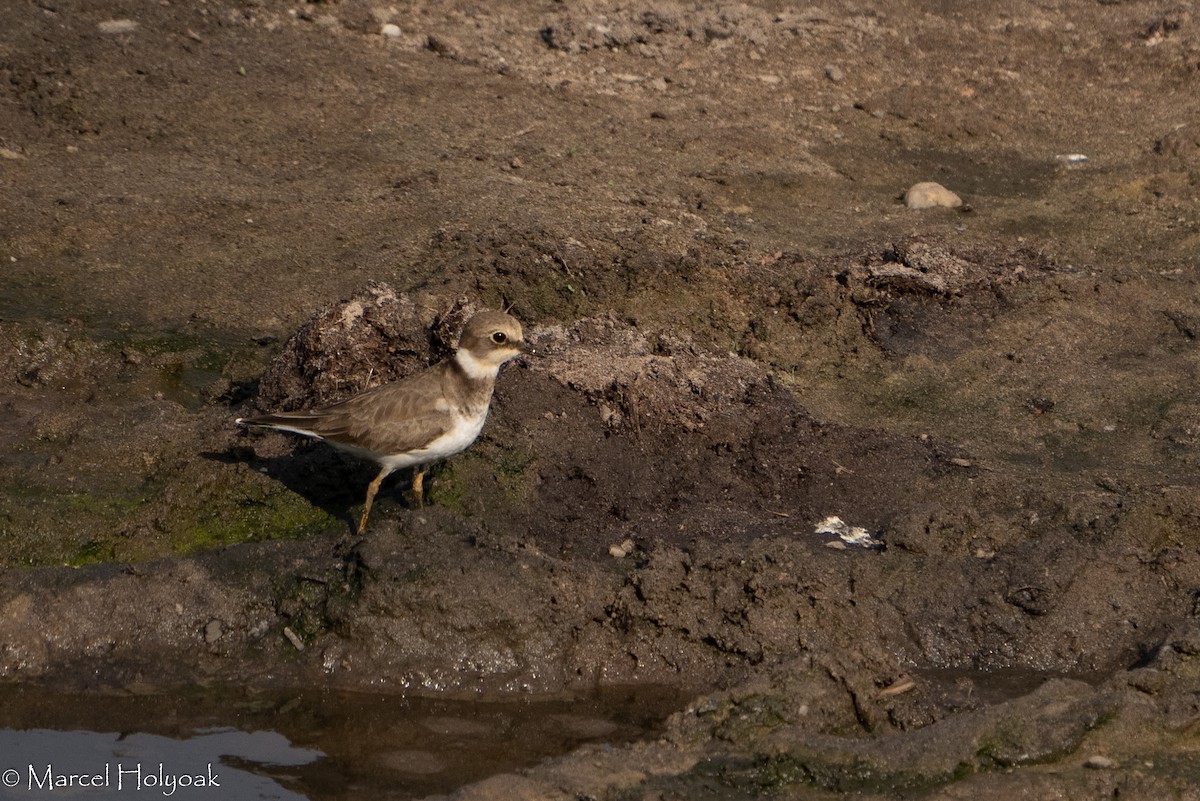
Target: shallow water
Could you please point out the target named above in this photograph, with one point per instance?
(972, 687)
(244, 744)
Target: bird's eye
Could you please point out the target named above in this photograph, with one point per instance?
(499, 337)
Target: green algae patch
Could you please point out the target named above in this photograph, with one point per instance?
(43, 526)
(251, 521)
(471, 482)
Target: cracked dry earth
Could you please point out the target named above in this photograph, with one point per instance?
(740, 331)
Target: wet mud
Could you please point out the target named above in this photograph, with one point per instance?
(738, 329)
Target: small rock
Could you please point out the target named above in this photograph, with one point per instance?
(622, 550)
(849, 535)
(1039, 405)
(1098, 762)
(116, 26)
(5, 153)
(903, 277)
(293, 638)
(834, 73)
(213, 631)
(391, 31)
(928, 195)
(443, 45)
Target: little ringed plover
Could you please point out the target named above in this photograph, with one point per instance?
(419, 419)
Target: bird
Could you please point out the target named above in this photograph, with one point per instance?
(420, 418)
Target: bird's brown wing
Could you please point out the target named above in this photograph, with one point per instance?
(391, 419)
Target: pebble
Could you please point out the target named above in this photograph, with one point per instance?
(444, 46)
(293, 638)
(847, 534)
(834, 73)
(117, 26)
(1098, 762)
(622, 550)
(928, 195)
(213, 631)
(391, 31)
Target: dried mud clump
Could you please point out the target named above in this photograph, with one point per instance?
(1182, 143)
(667, 25)
(931, 268)
(629, 375)
(921, 295)
(375, 336)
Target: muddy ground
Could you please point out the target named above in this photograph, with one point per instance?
(741, 330)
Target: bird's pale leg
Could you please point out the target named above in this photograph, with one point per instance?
(372, 488)
(418, 487)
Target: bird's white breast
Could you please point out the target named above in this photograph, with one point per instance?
(462, 433)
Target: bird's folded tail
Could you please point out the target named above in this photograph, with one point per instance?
(302, 423)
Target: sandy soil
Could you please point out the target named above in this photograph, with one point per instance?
(741, 330)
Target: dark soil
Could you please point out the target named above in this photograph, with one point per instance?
(740, 330)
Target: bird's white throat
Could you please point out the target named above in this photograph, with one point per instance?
(475, 368)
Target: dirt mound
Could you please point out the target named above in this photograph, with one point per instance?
(635, 378)
(373, 337)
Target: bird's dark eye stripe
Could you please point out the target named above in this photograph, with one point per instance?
(499, 337)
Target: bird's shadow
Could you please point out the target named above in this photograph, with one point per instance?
(327, 479)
